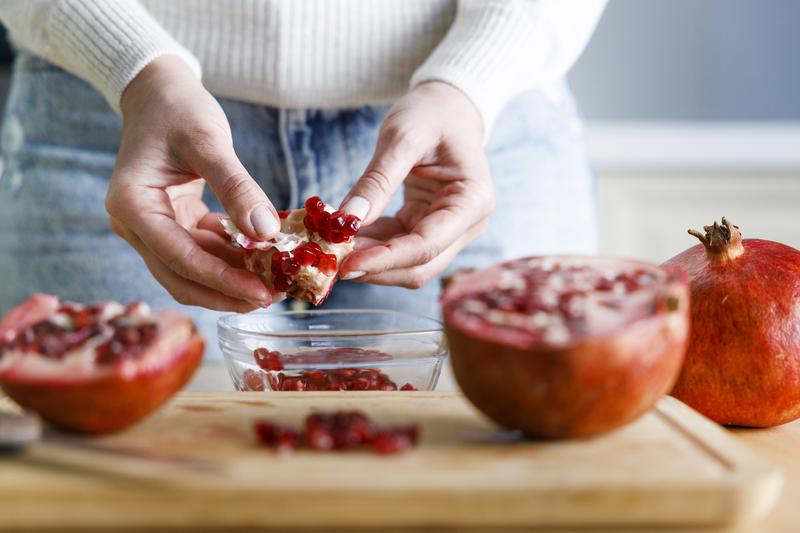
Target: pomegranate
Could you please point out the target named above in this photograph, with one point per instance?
(566, 346)
(303, 260)
(743, 362)
(340, 431)
(95, 368)
(335, 379)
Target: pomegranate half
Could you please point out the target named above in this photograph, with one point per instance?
(743, 362)
(566, 346)
(95, 368)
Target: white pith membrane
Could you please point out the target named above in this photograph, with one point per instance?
(79, 364)
(311, 284)
(541, 288)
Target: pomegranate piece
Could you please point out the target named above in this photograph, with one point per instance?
(268, 360)
(336, 379)
(573, 345)
(742, 366)
(95, 368)
(339, 431)
(276, 436)
(303, 259)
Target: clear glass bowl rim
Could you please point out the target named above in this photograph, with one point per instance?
(224, 324)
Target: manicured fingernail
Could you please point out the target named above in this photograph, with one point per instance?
(353, 274)
(358, 206)
(265, 222)
(259, 303)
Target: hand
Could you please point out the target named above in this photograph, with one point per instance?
(431, 141)
(175, 138)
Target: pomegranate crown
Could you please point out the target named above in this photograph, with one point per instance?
(722, 241)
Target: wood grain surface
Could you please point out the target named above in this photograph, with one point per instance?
(196, 464)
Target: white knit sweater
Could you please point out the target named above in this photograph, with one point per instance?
(314, 53)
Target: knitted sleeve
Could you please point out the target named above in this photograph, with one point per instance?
(496, 49)
(105, 42)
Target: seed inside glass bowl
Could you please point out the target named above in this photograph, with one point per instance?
(272, 372)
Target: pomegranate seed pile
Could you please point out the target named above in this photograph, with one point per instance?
(556, 301)
(340, 431)
(336, 227)
(337, 379)
(285, 265)
(126, 335)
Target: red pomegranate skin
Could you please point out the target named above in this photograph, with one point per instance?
(584, 389)
(111, 403)
(109, 398)
(742, 365)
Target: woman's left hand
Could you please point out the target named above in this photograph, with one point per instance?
(431, 141)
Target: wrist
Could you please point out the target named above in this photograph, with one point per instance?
(159, 77)
(452, 101)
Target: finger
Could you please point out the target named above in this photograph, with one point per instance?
(218, 246)
(417, 276)
(396, 153)
(382, 229)
(212, 156)
(184, 291)
(176, 248)
(433, 234)
(213, 222)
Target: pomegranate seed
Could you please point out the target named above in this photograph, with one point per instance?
(282, 283)
(336, 220)
(277, 436)
(290, 267)
(275, 381)
(310, 223)
(327, 264)
(408, 386)
(253, 381)
(390, 442)
(351, 225)
(306, 256)
(284, 213)
(82, 318)
(360, 384)
(294, 384)
(270, 361)
(314, 204)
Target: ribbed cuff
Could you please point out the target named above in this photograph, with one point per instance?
(480, 55)
(110, 41)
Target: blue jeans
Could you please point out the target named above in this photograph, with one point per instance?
(60, 138)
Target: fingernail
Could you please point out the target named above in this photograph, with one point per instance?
(264, 222)
(353, 274)
(358, 206)
(259, 303)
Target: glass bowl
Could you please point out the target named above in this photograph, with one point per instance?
(338, 349)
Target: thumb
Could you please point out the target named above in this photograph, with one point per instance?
(395, 156)
(243, 199)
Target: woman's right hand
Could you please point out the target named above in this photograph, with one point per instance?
(175, 138)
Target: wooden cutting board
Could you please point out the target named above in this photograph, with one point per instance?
(671, 467)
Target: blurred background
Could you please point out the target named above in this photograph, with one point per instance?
(693, 112)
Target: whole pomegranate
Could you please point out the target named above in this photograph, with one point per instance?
(303, 259)
(95, 368)
(743, 362)
(566, 346)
